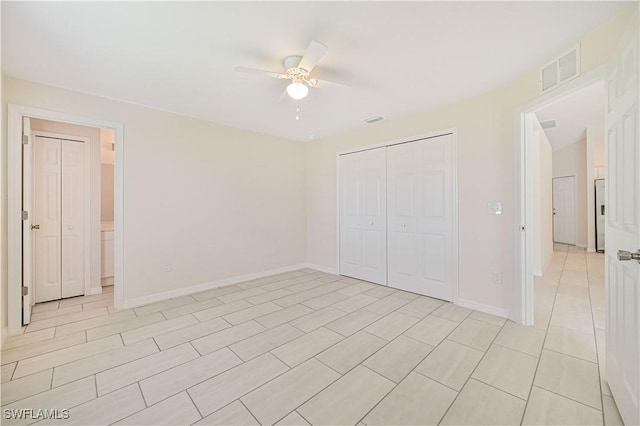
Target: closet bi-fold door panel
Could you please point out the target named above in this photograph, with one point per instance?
(363, 220)
(421, 217)
(73, 205)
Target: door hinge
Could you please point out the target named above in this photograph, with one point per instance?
(25, 140)
(25, 215)
(25, 290)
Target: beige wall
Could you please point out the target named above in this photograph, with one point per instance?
(572, 161)
(202, 200)
(93, 134)
(488, 169)
(106, 192)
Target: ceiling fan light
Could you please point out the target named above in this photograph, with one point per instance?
(297, 90)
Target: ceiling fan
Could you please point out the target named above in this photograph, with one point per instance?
(297, 70)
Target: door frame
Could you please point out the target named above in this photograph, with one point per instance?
(523, 303)
(575, 207)
(87, 203)
(15, 115)
(450, 131)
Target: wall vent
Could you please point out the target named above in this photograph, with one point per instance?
(374, 119)
(548, 124)
(562, 69)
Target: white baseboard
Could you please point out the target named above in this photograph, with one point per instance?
(591, 250)
(487, 309)
(94, 290)
(106, 281)
(537, 272)
(325, 269)
(185, 291)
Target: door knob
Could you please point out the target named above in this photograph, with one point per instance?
(627, 255)
(35, 226)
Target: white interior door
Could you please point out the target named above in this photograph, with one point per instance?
(564, 210)
(363, 238)
(73, 202)
(47, 215)
(27, 232)
(421, 217)
(622, 227)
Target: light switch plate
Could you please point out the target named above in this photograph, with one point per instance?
(494, 208)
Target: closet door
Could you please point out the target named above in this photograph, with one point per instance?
(73, 206)
(421, 216)
(47, 209)
(363, 227)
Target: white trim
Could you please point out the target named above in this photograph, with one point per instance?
(523, 304)
(87, 198)
(487, 309)
(5, 333)
(325, 269)
(450, 131)
(14, 203)
(185, 291)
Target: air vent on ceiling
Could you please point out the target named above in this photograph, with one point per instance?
(548, 124)
(562, 69)
(374, 119)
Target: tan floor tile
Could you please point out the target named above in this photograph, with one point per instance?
(476, 334)
(248, 314)
(575, 320)
(481, 404)
(317, 319)
(351, 351)
(387, 305)
(55, 313)
(177, 410)
(568, 376)
(41, 347)
(420, 307)
(46, 306)
(66, 355)
(123, 375)
(256, 345)
(548, 408)
(405, 404)
(67, 396)
(213, 394)
(293, 419)
(28, 338)
(452, 312)
(525, 339)
(98, 321)
(276, 399)
(26, 386)
(157, 329)
(541, 318)
(226, 337)
(242, 294)
(165, 304)
(356, 288)
(398, 358)
(353, 322)
(190, 308)
(488, 318)
(507, 370)
(450, 364)
(184, 376)
(324, 300)
(65, 319)
(103, 361)
(7, 371)
(391, 326)
(123, 326)
(431, 330)
(571, 342)
(283, 315)
(380, 292)
(348, 399)
(218, 311)
(106, 409)
(215, 292)
(192, 332)
(234, 414)
(306, 346)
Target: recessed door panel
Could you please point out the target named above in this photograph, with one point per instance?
(433, 197)
(363, 212)
(433, 252)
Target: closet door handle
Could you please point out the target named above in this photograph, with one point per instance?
(35, 226)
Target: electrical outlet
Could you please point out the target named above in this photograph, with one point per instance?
(497, 278)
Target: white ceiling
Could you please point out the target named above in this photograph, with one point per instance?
(400, 57)
(573, 114)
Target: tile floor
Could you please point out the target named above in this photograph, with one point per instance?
(307, 347)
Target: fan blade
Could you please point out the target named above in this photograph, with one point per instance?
(314, 53)
(322, 84)
(260, 72)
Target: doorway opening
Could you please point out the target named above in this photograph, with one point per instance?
(65, 215)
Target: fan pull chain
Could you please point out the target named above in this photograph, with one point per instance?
(297, 111)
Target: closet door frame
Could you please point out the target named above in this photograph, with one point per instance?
(451, 131)
(87, 200)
